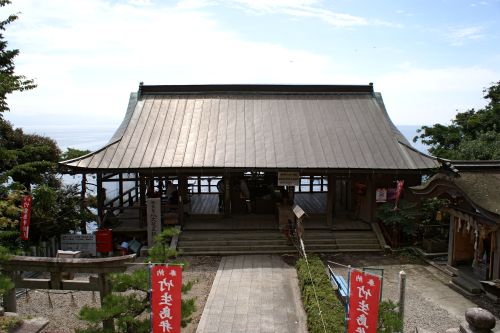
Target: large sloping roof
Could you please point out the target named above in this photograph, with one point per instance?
(256, 127)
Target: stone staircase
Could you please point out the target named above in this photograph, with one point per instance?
(228, 242)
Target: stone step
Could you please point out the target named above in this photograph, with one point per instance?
(469, 286)
(260, 251)
(225, 242)
(251, 247)
(217, 242)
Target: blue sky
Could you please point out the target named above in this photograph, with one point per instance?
(428, 58)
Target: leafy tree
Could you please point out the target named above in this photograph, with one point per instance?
(471, 135)
(128, 306)
(9, 80)
(72, 153)
(403, 218)
(27, 158)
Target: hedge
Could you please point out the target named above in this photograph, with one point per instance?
(331, 308)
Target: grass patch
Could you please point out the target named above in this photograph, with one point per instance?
(7, 323)
(331, 308)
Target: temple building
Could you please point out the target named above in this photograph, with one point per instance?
(223, 156)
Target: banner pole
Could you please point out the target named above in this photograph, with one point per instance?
(150, 299)
(348, 297)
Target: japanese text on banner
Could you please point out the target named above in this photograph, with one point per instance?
(363, 302)
(25, 216)
(166, 284)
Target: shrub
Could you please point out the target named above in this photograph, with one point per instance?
(331, 308)
(388, 318)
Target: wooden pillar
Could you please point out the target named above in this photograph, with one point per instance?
(451, 240)
(227, 194)
(142, 200)
(120, 190)
(100, 199)
(9, 297)
(330, 200)
(370, 198)
(83, 203)
(104, 290)
(137, 187)
(184, 196)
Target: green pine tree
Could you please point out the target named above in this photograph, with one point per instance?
(9, 80)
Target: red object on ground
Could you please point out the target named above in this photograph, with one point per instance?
(166, 284)
(364, 297)
(25, 216)
(104, 240)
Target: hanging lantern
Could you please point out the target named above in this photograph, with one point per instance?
(439, 215)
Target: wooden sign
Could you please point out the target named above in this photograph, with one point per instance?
(363, 302)
(166, 285)
(153, 218)
(288, 178)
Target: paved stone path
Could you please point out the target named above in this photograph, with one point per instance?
(254, 293)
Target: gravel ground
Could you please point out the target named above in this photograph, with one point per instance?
(430, 303)
(62, 309)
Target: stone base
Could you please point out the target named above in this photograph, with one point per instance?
(466, 328)
(494, 298)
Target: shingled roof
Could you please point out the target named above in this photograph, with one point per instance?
(255, 127)
(478, 181)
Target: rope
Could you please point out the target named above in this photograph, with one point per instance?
(355, 269)
(314, 287)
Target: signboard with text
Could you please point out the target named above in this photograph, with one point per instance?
(74, 242)
(25, 216)
(153, 218)
(364, 299)
(288, 178)
(166, 284)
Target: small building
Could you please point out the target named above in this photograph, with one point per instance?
(473, 192)
(235, 150)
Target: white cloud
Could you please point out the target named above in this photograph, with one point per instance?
(427, 96)
(294, 8)
(87, 58)
(458, 36)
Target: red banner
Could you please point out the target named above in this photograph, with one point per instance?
(25, 216)
(166, 284)
(399, 191)
(364, 298)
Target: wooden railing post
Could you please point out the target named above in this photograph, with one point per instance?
(104, 290)
(9, 298)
